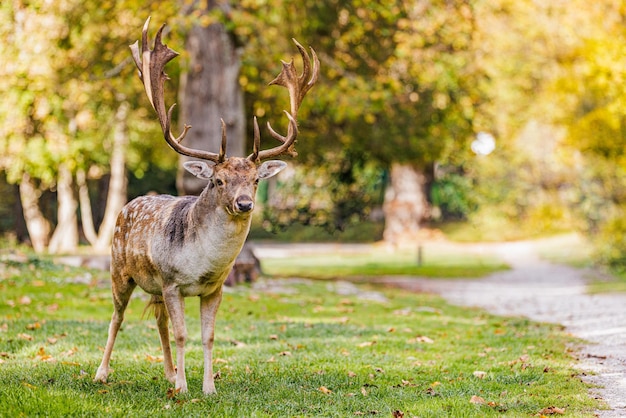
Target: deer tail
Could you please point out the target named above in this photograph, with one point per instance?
(155, 306)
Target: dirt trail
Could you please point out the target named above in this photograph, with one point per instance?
(548, 292)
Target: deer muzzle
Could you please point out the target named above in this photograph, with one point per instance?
(244, 204)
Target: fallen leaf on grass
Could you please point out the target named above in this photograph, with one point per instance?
(26, 337)
(70, 352)
(171, 393)
(367, 344)
(479, 374)
(552, 410)
(33, 326)
(237, 344)
(325, 390)
(285, 353)
(154, 359)
(397, 414)
(43, 356)
(25, 300)
(477, 400)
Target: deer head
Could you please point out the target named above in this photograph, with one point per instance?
(232, 178)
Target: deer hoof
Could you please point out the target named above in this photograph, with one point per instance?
(101, 376)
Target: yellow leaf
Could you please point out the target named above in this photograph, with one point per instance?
(551, 410)
(325, 390)
(33, 326)
(367, 344)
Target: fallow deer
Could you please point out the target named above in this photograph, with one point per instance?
(176, 247)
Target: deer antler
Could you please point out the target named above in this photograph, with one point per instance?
(150, 64)
(298, 86)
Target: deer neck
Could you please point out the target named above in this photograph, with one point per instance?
(218, 227)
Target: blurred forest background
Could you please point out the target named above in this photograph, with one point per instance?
(398, 133)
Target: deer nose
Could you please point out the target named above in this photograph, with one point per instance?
(244, 204)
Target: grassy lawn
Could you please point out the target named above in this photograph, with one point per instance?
(292, 348)
(437, 260)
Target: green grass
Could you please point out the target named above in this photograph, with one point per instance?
(437, 260)
(300, 349)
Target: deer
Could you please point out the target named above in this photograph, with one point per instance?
(179, 247)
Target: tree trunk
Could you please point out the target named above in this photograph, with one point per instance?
(116, 195)
(405, 204)
(37, 225)
(209, 91)
(86, 215)
(65, 236)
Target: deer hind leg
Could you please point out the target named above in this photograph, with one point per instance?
(122, 290)
(175, 304)
(162, 319)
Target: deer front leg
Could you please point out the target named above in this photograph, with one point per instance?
(175, 304)
(208, 312)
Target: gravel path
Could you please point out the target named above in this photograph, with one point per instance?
(548, 292)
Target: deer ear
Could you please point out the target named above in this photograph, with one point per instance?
(270, 168)
(199, 169)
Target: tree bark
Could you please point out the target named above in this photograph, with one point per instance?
(209, 91)
(65, 236)
(118, 184)
(36, 223)
(406, 203)
(86, 215)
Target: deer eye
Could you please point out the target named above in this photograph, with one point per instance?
(219, 182)
(256, 181)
